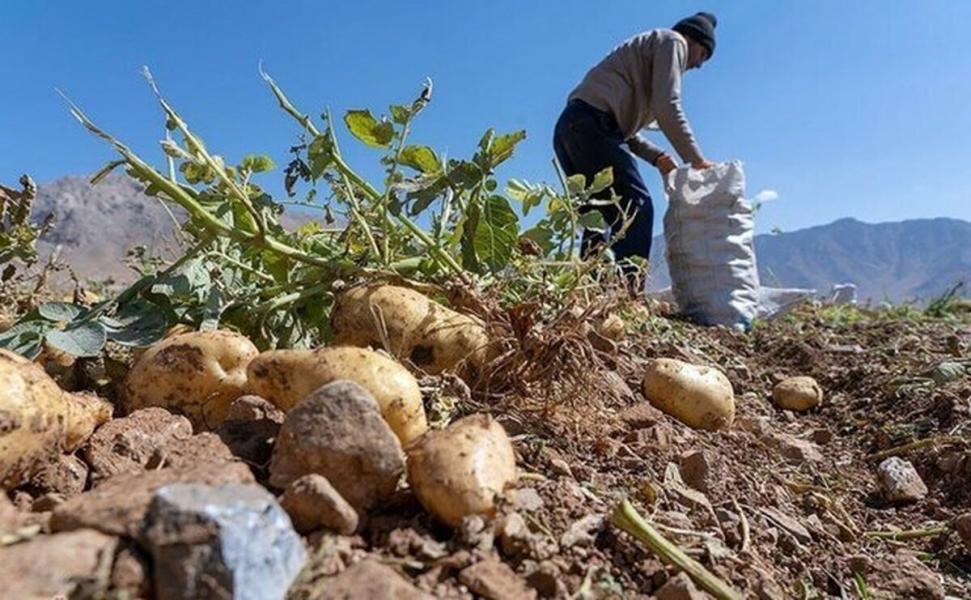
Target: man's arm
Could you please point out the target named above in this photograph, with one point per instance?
(645, 148)
(669, 60)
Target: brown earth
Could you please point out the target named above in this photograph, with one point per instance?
(781, 505)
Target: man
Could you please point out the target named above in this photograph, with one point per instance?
(637, 83)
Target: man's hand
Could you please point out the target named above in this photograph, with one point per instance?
(665, 164)
(702, 164)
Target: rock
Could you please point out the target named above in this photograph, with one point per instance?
(900, 481)
(963, 527)
(254, 408)
(514, 535)
(220, 541)
(527, 500)
(797, 394)
(184, 453)
(546, 579)
(641, 416)
(679, 587)
(131, 573)
(495, 580)
(788, 524)
(118, 505)
(53, 566)
(312, 503)
(796, 450)
(366, 580)
(474, 532)
(46, 503)
(583, 532)
(125, 445)
(66, 477)
(904, 576)
(250, 440)
(696, 469)
(338, 432)
(821, 436)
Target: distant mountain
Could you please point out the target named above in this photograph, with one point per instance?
(94, 226)
(905, 261)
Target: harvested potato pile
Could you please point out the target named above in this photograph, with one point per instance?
(700, 397)
(285, 377)
(197, 374)
(433, 337)
(38, 420)
(459, 471)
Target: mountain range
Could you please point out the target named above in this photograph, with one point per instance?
(912, 260)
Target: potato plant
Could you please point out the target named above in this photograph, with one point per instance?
(430, 220)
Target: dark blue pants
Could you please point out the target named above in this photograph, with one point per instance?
(586, 141)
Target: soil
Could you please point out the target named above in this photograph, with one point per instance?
(780, 505)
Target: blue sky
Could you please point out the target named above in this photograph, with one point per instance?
(856, 109)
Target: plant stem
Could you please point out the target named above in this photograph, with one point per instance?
(369, 190)
(626, 518)
(911, 534)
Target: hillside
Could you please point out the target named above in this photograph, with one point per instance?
(96, 225)
(909, 260)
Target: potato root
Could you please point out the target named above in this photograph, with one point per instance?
(39, 420)
(197, 374)
(459, 471)
(285, 377)
(410, 326)
(797, 393)
(700, 397)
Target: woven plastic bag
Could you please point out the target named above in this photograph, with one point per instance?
(709, 232)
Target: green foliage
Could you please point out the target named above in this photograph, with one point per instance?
(240, 269)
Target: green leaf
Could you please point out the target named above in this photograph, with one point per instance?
(543, 236)
(576, 184)
(257, 163)
(139, 330)
(421, 158)
(374, 133)
(496, 233)
(503, 146)
(85, 340)
(320, 154)
(593, 220)
(400, 114)
(60, 311)
(602, 180)
(530, 195)
(25, 337)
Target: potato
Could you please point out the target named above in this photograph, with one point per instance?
(433, 337)
(285, 377)
(197, 374)
(797, 393)
(459, 471)
(700, 397)
(38, 420)
(612, 327)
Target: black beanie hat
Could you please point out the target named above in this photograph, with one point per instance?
(700, 28)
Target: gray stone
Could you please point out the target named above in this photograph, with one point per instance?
(900, 481)
(253, 408)
(312, 503)
(221, 541)
(338, 432)
(514, 535)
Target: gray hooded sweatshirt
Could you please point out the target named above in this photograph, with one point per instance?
(640, 82)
